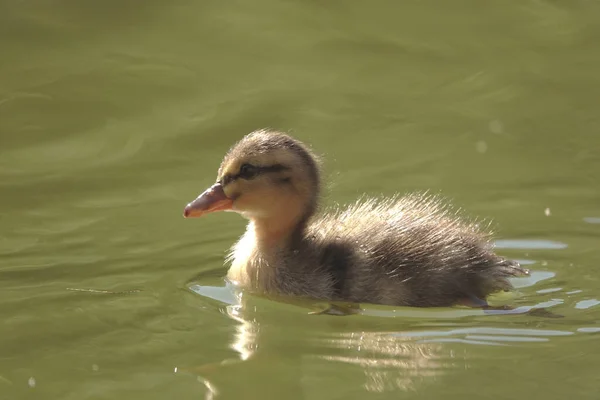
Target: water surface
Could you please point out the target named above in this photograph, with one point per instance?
(113, 115)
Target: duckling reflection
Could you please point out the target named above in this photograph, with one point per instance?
(390, 363)
(377, 361)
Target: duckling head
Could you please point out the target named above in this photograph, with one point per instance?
(269, 178)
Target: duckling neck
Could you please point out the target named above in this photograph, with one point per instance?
(276, 234)
(265, 248)
(262, 250)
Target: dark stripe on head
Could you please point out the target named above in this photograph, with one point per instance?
(272, 168)
(248, 172)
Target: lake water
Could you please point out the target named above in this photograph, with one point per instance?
(115, 114)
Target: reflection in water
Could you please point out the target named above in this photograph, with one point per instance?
(390, 362)
(245, 340)
(211, 391)
(403, 358)
(386, 360)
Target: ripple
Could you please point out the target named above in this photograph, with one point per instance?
(588, 330)
(585, 304)
(523, 261)
(487, 331)
(61, 227)
(592, 220)
(229, 294)
(224, 294)
(92, 149)
(457, 340)
(109, 202)
(407, 312)
(550, 303)
(507, 338)
(485, 335)
(530, 244)
(550, 290)
(533, 278)
(454, 313)
(15, 97)
(14, 245)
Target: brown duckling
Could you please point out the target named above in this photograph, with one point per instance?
(405, 251)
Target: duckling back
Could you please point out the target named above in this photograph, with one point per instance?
(411, 251)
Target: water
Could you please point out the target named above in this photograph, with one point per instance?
(113, 115)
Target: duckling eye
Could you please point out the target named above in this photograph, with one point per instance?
(248, 171)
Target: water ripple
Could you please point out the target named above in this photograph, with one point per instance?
(589, 329)
(529, 244)
(592, 220)
(585, 304)
(533, 278)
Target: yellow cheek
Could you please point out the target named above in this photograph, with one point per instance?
(261, 200)
(233, 189)
(255, 200)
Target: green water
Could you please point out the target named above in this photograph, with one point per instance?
(115, 114)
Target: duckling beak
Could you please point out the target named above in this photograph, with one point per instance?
(213, 199)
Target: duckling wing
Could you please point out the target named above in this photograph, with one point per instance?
(412, 250)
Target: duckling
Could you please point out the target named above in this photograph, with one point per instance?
(400, 251)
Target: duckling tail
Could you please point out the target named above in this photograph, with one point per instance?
(511, 268)
(495, 277)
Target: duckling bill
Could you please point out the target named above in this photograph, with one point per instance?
(403, 251)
